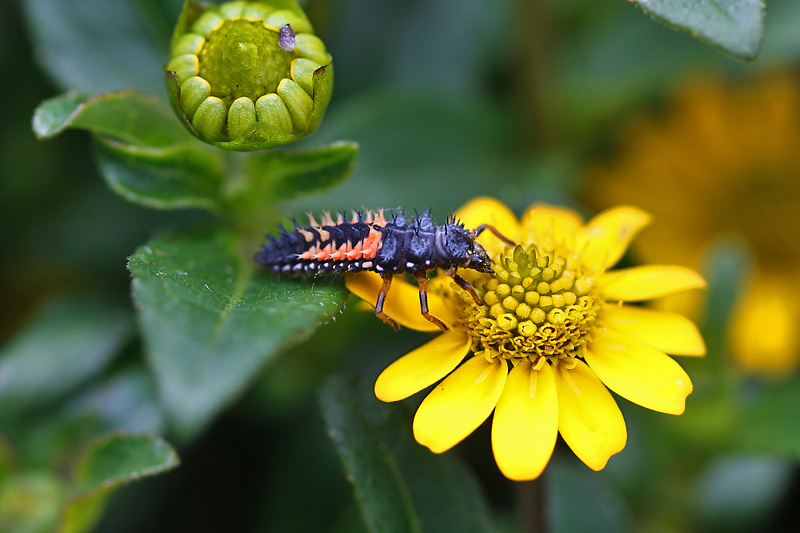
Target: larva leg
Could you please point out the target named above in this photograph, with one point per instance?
(422, 281)
(387, 282)
(464, 284)
(480, 229)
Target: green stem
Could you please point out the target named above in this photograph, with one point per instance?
(239, 191)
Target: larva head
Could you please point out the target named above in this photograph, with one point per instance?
(480, 260)
(458, 247)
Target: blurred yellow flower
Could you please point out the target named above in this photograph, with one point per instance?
(551, 338)
(724, 160)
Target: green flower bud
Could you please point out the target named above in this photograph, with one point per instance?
(248, 75)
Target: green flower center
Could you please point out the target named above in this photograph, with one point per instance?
(243, 58)
(536, 304)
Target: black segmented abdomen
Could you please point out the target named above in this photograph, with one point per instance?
(369, 242)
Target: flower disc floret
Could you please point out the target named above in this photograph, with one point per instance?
(538, 303)
(248, 75)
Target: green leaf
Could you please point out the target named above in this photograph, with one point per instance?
(125, 401)
(144, 154)
(602, 508)
(400, 486)
(734, 26)
(280, 175)
(728, 264)
(128, 116)
(211, 321)
(768, 421)
(61, 347)
(96, 46)
(108, 463)
(174, 177)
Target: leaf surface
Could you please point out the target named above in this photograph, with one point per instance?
(106, 464)
(399, 485)
(279, 175)
(768, 421)
(95, 46)
(211, 320)
(128, 116)
(734, 26)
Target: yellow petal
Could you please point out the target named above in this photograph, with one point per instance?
(459, 404)
(525, 424)
(669, 332)
(764, 334)
(402, 301)
(423, 367)
(549, 225)
(650, 281)
(588, 417)
(608, 235)
(639, 373)
(485, 210)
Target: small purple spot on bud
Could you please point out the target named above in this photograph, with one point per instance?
(286, 38)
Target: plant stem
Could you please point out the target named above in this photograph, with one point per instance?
(532, 506)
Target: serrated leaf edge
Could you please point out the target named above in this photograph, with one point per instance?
(172, 462)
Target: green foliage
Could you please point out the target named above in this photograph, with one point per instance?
(734, 26)
(728, 263)
(283, 175)
(67, 343)
(68, 34)
(105, 465)
(36, 501)
(211, 320)
(399, 485)
(173, 177)
(763, 423)
(148, 158)
(143, 152)
(132, 118)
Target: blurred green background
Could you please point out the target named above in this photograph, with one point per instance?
(448, 100)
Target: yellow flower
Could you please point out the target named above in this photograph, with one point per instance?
(551, 338)
(724, 160)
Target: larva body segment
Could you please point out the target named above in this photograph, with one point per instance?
(368, 241)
